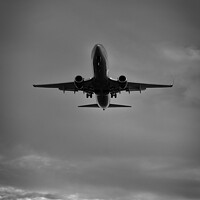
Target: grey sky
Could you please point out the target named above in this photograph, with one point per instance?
(51, 149)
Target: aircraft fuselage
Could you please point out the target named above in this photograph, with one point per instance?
(100, 68)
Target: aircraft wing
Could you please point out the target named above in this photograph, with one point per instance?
(69, 86)
(132, 86)
(61, 86)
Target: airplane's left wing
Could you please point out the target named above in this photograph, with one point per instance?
(86, 86)
(69, 86)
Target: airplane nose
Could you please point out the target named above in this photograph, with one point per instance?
(98, 49)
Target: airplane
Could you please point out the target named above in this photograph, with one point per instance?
(101, 85)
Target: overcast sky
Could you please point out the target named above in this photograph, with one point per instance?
(51, 149)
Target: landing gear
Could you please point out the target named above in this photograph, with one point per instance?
(113, 95)
(89, 95)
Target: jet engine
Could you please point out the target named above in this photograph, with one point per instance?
(122, 81)
(78, 81)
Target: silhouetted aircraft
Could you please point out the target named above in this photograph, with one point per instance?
(101, 84)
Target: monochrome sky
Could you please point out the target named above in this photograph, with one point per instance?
(50, 149)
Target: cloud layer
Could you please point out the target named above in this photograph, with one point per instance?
(14, 193)
(129, 176)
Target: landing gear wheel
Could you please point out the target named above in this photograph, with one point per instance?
(113, 95)
(89, 95)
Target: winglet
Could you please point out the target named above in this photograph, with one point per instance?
(172, 83)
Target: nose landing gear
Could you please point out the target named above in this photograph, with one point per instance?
(113, 95)
(89, 95)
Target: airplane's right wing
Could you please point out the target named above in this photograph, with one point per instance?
(132, 86)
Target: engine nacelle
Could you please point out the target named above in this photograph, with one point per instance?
(78, 81)
(122, 81)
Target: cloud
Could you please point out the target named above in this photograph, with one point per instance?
(34, 170)
(12, 193)
(184, 62)
(145, 177)
(180, 54)
(8, 193)
(133, 176)
(36, 162)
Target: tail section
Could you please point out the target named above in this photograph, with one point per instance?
(89, 106)
(118, 106)
(110, 106)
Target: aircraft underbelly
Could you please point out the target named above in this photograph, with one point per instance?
(103, 101)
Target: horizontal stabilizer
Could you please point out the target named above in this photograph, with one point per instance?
(118, 106)
(110, 106)
(90, 106)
